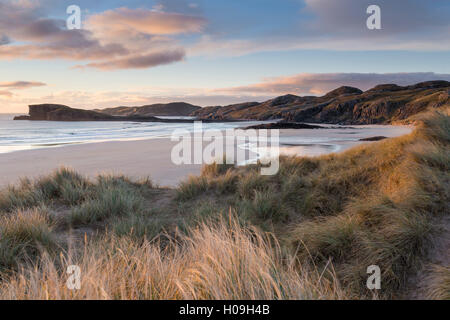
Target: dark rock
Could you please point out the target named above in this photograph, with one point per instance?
(285, 125)
(378, 138)
(22, 118)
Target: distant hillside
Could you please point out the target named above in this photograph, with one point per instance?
(58, 112)
(385, 103)
(180, 109)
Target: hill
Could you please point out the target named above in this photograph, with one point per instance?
(383, 104)
(180, 109)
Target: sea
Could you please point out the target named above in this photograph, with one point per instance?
(26, 135)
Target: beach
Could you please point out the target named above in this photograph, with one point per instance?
(143, 158)
(136, 159)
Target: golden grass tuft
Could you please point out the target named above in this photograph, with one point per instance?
(224, 261)
(438, 283)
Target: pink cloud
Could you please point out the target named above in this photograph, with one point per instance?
(17, 85)
(115, 39)
(6, 93)
(145, 21)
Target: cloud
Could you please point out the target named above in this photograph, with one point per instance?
(321, 83)
(43, 38)
(6, 93)
(110, 40)
(140, 61)
(121, 20)
(21, 84)
(17, 85)
(116, 36)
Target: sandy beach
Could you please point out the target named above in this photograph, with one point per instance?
(152, 157)
(137, 159)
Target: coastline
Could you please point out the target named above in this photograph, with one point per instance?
(141, 158)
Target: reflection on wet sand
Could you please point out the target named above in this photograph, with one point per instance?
(304, 149)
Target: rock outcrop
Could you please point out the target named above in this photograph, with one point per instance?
(57, 112)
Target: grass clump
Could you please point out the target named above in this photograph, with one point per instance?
(225, 184)
(296, 166)
(266, 205)
(143, 225)
(192, 188)
(111, 196)
(23, 235)
(250, 183)
(326, 237)
(438, 283)
(63, 185)
(110, 202)
(216, 169)
(22, 196)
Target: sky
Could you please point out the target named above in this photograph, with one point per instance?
(213, 52)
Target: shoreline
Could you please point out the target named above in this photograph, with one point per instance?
(324, 126)
(151, 157)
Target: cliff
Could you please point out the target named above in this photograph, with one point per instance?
(57, 112)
